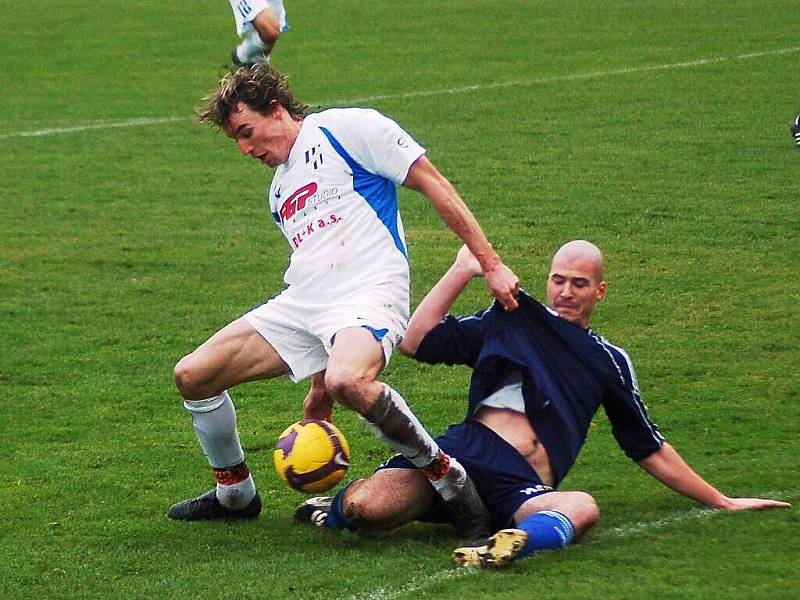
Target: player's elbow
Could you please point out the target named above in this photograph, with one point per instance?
(408, 347)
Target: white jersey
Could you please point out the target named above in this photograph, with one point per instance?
(335, 200)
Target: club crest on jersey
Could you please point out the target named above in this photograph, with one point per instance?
(314, 156)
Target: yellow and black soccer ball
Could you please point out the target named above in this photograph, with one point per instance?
(312, 455)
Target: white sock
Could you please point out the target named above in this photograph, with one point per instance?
(214, 422)
(250, 47)
(237, 495)
(449, 485)
(393, 422)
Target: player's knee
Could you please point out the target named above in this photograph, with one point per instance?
(588, 511)
(356, 507)
(345, 385)
(268, 26)
(187, 378)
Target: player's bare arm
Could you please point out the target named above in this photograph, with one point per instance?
(669, 468)
(424, 178)
(437, 302)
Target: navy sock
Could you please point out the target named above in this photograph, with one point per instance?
(546, 530)
(336, 518)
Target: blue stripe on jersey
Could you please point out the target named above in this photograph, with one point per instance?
(379, 192)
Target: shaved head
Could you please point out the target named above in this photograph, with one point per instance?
(583, 251)
(575, 284)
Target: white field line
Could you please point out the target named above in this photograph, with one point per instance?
(573, 77)
(417, 94)
(621, 531)
(97, 125)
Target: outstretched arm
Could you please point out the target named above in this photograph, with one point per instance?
(437, 302)
(424, 178)
(669, 468)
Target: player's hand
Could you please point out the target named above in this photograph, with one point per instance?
(755, 504)
(466, 261)
(504, 285)
(318, 406)
(318, 403)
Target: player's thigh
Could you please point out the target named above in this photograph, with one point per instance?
(355, 354)
(389, 498)
(235, 354)
(361, 332)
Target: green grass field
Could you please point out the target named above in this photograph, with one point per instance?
(656, 129)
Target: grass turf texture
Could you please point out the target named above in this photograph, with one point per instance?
(123, 248)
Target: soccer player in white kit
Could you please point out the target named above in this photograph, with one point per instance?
(345, 307)
(258, 23)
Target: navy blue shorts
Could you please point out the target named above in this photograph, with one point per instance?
(503, 478)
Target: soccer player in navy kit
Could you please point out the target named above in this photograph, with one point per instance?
(539, 376)
(346, 303)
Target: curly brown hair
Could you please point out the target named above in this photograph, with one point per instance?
(258, 87)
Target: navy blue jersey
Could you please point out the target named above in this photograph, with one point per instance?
(567, 373)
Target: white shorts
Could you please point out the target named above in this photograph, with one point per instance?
(302, 332)
(244, 11)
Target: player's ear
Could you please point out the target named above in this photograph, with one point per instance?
(601, 290)
(276, 109)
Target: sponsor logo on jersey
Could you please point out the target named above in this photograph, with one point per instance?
(297, 201)
(303, 198)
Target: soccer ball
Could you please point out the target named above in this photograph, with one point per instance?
(312, 455)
